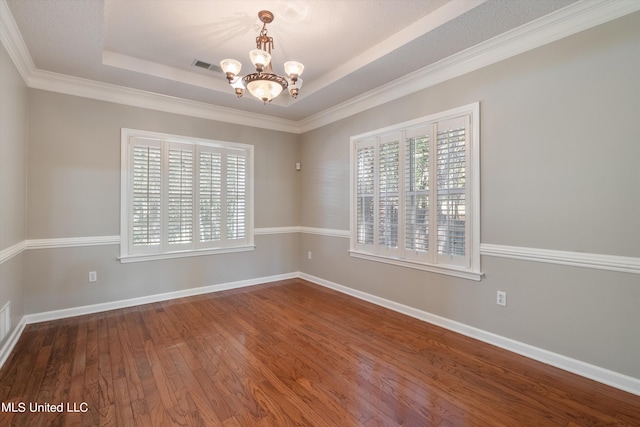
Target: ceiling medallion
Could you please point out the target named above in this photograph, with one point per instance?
(264, 84)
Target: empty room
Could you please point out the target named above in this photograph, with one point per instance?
(320, 213)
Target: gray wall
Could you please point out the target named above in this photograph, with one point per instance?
(13, 149)
(559, 153)
(74, 163)
(74, 191)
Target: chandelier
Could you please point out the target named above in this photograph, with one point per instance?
(264, 84)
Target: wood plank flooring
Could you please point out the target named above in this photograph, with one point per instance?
(285, 354)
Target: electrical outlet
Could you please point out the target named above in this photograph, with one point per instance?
(501, 298)
(309, 255)
(93, 276)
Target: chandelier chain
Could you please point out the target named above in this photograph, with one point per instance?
(264, 42)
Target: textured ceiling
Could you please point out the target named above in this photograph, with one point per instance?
(349, 47)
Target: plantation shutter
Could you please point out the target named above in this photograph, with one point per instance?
(388, 193)
(415, 194)
(365, 190)
(210, 196)
(145, 172)
(452, 236)
(180, 195)
(417, 191)
(236, 195)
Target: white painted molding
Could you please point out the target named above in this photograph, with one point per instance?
(275, 230)
(329, 232)
(84, 88)
(565, 22)
(439, 269)
(408, 34)
(14, 43)
(11, 341)
(574, 259)
(114, 305)
(572, 19)
(11, 251)
(126, 259)
(596, 373)
(68, 242)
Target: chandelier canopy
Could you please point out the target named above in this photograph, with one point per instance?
(264, 84)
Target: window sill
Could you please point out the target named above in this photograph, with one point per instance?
(184, 254)
(447, 270)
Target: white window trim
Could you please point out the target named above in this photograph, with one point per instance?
(473, 155)
(125, 255)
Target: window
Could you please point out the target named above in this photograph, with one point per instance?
(415, 194)
(184, 196)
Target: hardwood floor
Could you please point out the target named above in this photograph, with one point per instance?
(288, 353)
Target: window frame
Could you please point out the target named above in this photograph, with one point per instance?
(401, 256)
(195, 248)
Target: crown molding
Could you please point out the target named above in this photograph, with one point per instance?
(85, 88)
(565, 22)
(570, 20)
(14, 43)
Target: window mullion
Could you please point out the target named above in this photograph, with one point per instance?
(196, 199)
(376, 195)
(164, 240)
(223, 198)
(402, 218)
(432, 254)
(163, 198)
(470, 201)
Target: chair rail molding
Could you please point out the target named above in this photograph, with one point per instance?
(575, 259)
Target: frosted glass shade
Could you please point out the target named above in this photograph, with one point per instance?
(298, 83)
(231, 66)
(259, 58)
(238, 87)
(294, 88)
(265, 90)
(293, 68)
(237, 84)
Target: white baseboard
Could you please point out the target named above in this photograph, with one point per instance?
(596, 373)
(113, 305)
(11, 341)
